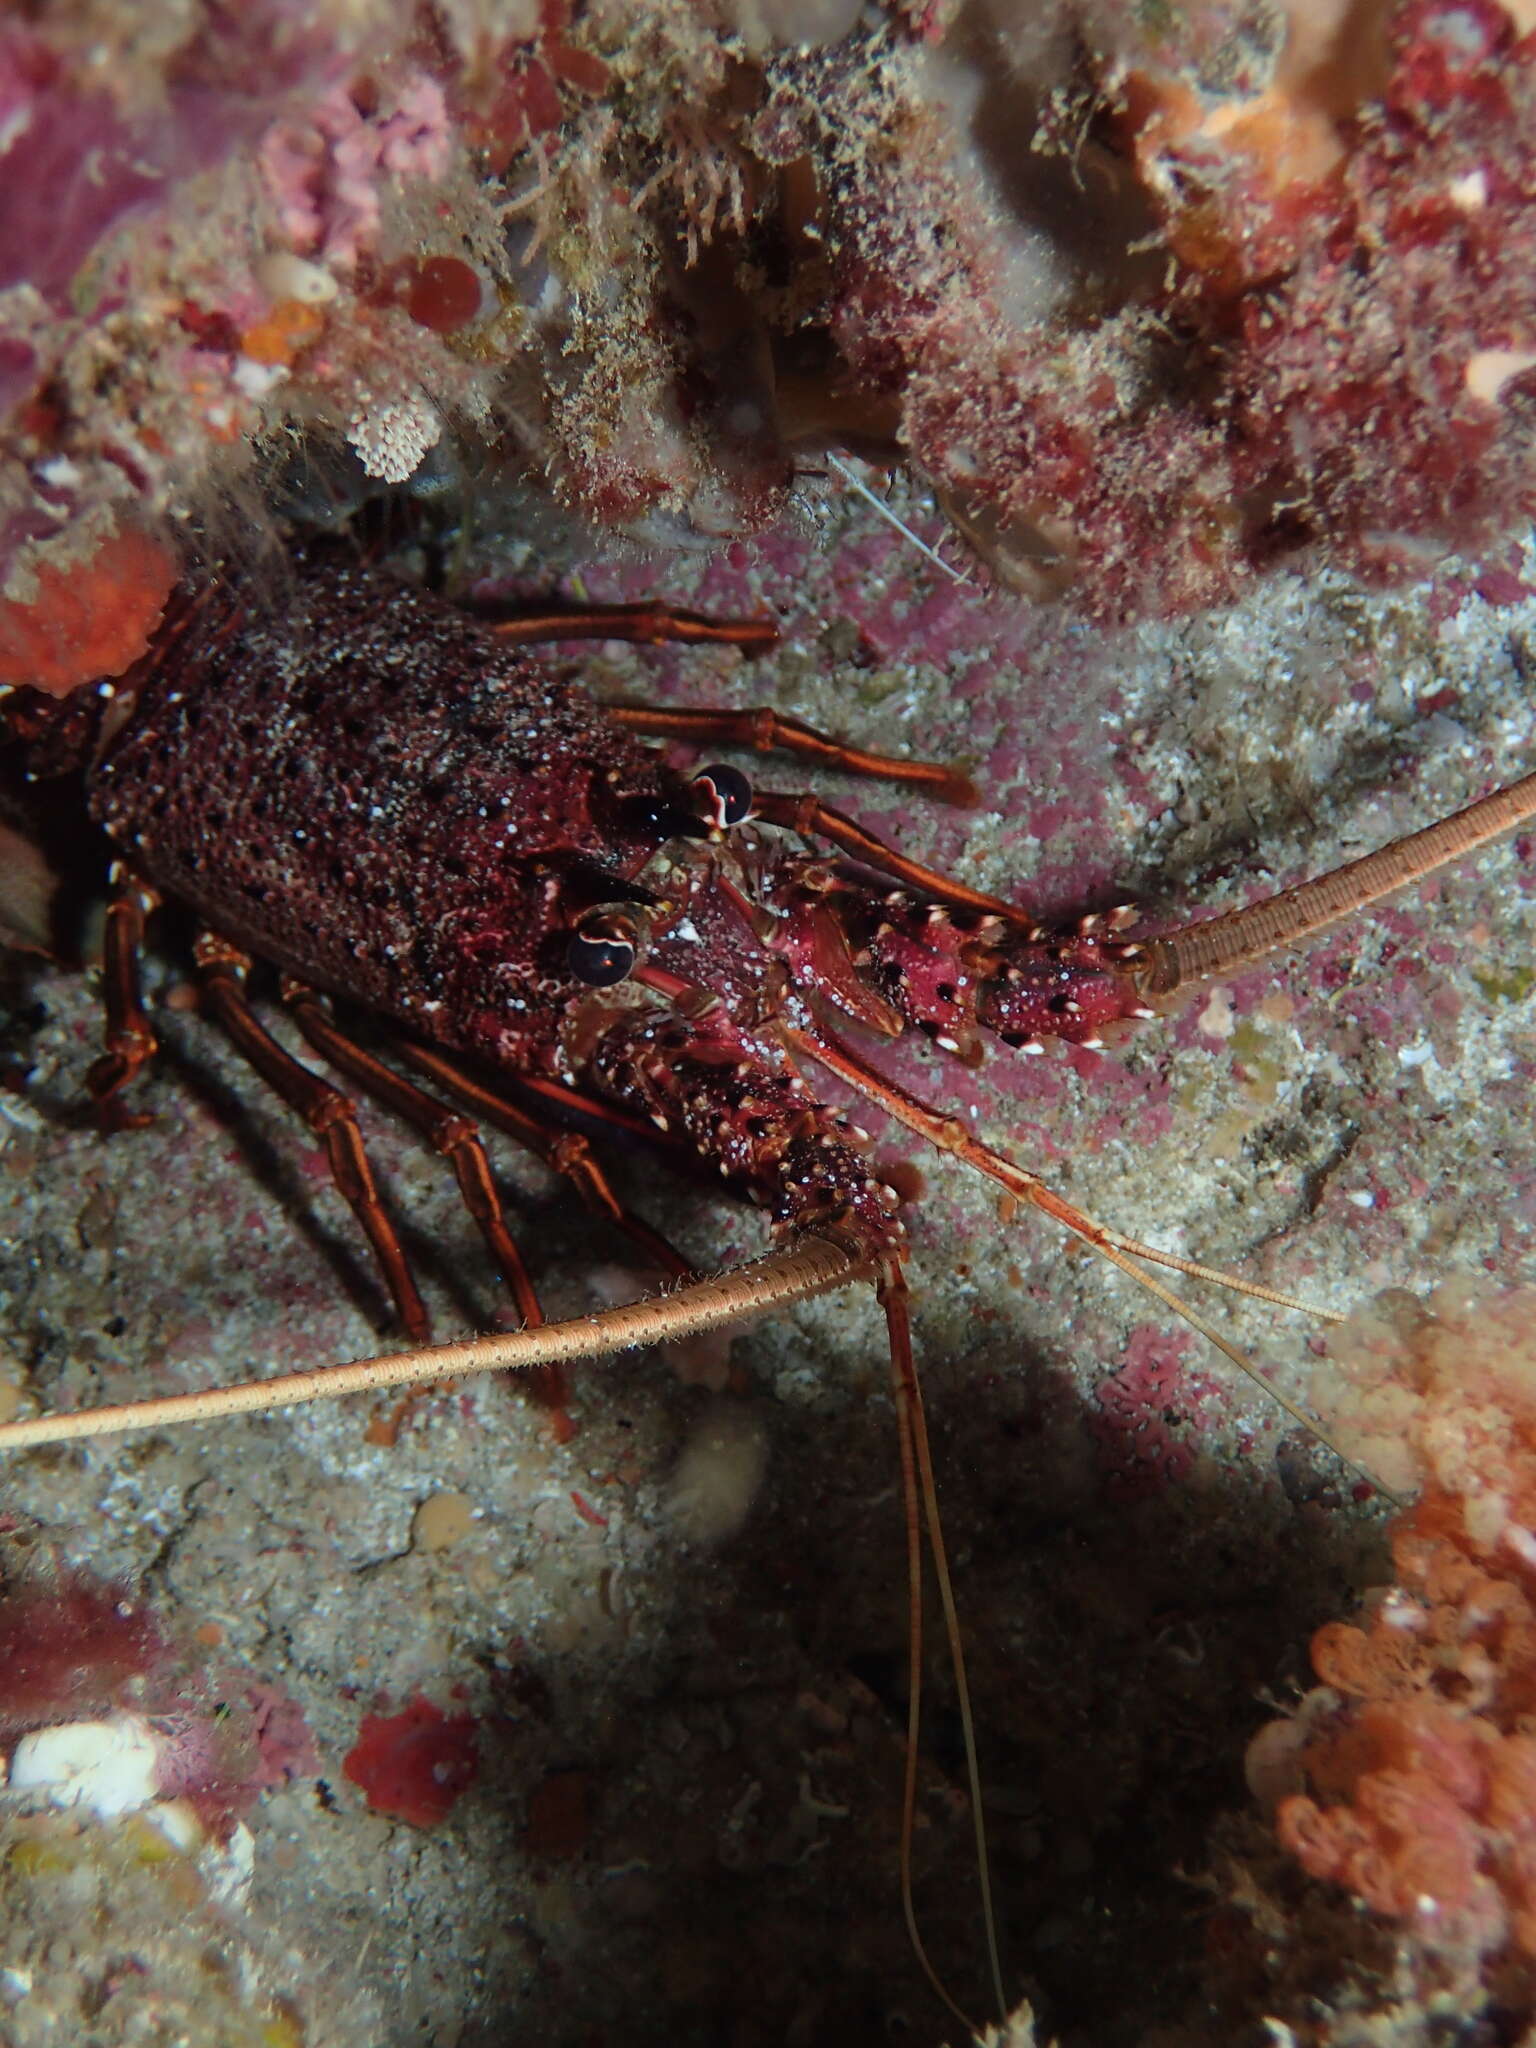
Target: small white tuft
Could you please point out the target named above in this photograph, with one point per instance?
(718, 1474)
(392, 437)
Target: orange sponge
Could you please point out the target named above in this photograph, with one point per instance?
(87, 621)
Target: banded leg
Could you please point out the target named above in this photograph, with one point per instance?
(454, 1138)
(130, 1040)
(767, 731)
(450, 1135)
(760, 728)
(222, 969)
(649, 624)
(564, 1152)
(809, 816)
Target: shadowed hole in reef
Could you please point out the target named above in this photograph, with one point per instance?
(1118, 1663)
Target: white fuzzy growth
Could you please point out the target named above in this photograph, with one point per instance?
(392, 436)
(108, 1766)
(767, 25)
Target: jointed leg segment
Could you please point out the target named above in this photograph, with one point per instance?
(648, 624)
(767, 731)
(450, 1135)
(222, 969)
(564, 1152)
(130, 1040)
(815, 820)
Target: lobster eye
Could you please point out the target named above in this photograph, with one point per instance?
(599, 960)
(725, 793)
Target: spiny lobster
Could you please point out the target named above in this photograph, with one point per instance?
(389, 802)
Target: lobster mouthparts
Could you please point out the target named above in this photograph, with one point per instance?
(895, 961)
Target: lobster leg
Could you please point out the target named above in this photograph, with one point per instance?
(222, 969)
(810, 817)
(452, 1136)
(564, 1152)
(767, 731)
(649, 624)
(130, 1039)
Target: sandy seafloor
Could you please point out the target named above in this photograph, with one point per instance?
(1353, 1119)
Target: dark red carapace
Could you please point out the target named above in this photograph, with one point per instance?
(391, 803)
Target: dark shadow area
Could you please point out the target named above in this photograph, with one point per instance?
(735, 1880)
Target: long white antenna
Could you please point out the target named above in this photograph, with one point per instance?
(857, 485)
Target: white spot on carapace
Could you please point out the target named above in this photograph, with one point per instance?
(1491, 369)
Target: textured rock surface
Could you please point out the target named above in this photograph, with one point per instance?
(683, 1823)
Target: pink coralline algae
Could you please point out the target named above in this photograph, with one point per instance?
(71, 1647)
(1153, 299)
(414, 1765)
(285, 1748)
(325, 174)
(1150, 1414)
(75, 1650)
(1415, 1765)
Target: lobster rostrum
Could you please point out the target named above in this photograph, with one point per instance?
(395, 805)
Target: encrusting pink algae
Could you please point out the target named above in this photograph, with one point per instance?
(1152, 299)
